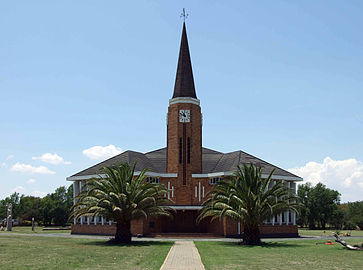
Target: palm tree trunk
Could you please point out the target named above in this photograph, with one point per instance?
(123, 232)
(251, 236)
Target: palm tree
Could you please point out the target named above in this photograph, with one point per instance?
(122, 197)
(247, 198)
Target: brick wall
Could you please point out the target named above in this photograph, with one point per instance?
(137, 227)
(230, 228)
(279, 230)
(204, 182)
(225, 227)
(94, 229)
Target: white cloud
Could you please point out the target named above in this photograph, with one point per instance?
(22, 191)
(37, 193)
(10, 157)
(19, 189)
(31, 181)
(4, 163)
(21, 167)
(102, 152)
(52, 159)
(346, 176)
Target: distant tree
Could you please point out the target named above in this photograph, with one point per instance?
(303, 193)
(55, 207)
(122, 197)
(319, 205)
(246, 198)
(14, 199)
(61, 206)
(355, 214)
(337, 219)
(29, 207)
(52, 209)
(46, 210)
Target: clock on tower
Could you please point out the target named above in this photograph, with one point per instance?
(184, 116)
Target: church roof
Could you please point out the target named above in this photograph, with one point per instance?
(184, 81)
(213, 162)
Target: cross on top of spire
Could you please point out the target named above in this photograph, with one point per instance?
(184, 15)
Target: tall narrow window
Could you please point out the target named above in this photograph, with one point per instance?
(188, 150)
(180, 150)
(184, 154)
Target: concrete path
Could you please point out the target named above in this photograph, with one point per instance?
(183, 255)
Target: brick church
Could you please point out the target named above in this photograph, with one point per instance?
(187, 169)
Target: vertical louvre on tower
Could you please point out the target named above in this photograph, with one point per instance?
(184, 155)
(180, 150)
(188, 150)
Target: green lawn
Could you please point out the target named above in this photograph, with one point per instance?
(298, 254)
(28, 229)
(307, 232)
(32, 252)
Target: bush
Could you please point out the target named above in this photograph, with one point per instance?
(26, 223)
(350, 226)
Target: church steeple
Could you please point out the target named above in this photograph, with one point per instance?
(184, 82)
(184, 126)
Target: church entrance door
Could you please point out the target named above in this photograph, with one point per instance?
(184, 221)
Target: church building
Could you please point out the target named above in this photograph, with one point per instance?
(188, 170)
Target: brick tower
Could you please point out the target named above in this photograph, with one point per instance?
(184, 131)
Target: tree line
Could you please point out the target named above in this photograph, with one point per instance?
(321, 208)
(53, 209)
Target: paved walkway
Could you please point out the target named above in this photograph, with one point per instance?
(183, 255)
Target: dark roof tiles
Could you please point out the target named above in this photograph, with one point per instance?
(213, 162)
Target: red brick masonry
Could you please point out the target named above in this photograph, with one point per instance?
(228, 229)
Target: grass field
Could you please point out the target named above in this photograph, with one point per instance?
(32, 252)
(307, 232)
(28, 229)
(298, 254)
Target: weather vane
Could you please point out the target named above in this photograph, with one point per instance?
(184, 15)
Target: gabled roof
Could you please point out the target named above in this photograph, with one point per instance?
(213, 162)
(184, 81)
(155, 161)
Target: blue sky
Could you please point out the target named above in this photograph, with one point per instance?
(281, 80)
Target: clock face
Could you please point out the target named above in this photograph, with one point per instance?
(184, 116)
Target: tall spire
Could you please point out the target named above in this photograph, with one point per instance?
(184, 82)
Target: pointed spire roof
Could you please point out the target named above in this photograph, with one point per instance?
(184, 82)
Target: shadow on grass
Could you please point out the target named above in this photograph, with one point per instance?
(263, 245)
(132, 244)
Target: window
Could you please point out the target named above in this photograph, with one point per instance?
(151, 224)
(180, 150)
(150, 179)
(188, 146)
(214, 180)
